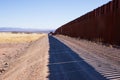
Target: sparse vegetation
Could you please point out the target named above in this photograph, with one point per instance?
(19, 37)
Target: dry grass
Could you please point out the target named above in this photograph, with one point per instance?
(19, 37)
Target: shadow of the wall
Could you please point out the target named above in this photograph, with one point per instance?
(65, 64)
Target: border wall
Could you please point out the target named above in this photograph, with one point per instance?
(101, 24)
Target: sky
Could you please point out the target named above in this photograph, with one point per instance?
(44, 14)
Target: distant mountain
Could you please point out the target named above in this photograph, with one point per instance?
(7, 29)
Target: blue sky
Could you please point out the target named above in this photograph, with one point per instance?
(43, 14)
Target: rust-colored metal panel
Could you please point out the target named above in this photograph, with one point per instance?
(119, 4)
(101, 24)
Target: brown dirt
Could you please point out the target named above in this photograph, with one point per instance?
(24, 59)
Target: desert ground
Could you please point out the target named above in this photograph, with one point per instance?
(22, 55)
(36, 56)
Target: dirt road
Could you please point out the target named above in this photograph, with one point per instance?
(65, 64)
(62, 58)
(103, 59)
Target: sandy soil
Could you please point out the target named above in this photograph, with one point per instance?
(23, 56)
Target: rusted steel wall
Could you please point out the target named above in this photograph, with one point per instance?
(101, 24)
